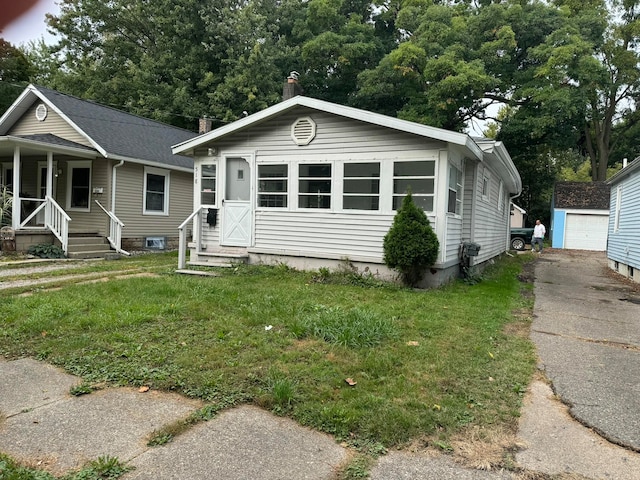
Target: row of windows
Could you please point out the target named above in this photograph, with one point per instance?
(360, 185)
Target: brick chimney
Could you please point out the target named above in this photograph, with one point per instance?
(291, 87)
(204, 125)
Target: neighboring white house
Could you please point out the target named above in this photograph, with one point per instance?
(580, 215)
(623, 248)
(314, 184)
(518, 216)
(78, 168)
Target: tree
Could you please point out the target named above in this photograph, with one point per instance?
(15, 70)
(410, 245)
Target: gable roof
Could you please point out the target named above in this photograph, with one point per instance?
(581, 195)
(632, 167)
(113, 133)
(492, 151)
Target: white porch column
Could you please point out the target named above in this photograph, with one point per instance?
(15, 211)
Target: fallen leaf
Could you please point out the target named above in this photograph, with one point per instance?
(268, 327)
(491, 379)
(143, 389)
(413, 343)
(491, 354)
(350, 381)
(44, 334)
(437, 407)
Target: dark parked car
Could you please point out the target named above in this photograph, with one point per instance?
(520, 237)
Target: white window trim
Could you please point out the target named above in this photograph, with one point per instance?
(616, 222)
(486, 196)
(501, 198)
(161, 172)
(341, 194)
(289, 187)
(198, 189)
(434, 177)
(71, 165)
(459, 191)
(332, 179)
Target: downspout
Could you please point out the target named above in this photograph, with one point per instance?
(113, 186)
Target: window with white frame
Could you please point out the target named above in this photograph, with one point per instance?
(454, 204)
(79, 185)
(314, 185)
(156, 191)
(208, 184)
(616, 222)
(486, 185)
(417, 175)
(273, 186)
(361, 186)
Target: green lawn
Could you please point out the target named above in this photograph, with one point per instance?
(428, 364)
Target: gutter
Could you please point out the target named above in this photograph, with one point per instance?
(113, 186)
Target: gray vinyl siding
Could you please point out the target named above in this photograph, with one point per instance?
(335, 136)
(454, 238)
(53, 124)
(318, 234)
(130, 198)
(491, 224)
(469, 200)
(623, 244)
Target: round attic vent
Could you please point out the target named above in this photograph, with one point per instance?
(41, 112)
(303, 131)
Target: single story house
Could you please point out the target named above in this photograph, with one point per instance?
(314, 184)
(623, 247)
(80, 169)
(518, 216)
(580, 215)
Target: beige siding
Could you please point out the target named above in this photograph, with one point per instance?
(95, 219)
(130, 197)
(53, 124)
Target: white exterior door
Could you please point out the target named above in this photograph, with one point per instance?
(236, 205)
(586, 232)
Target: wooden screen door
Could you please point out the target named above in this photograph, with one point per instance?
(236, 207)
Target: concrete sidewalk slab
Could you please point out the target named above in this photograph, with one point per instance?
(26, 384)
(558, 444)
(407, 466)
(599, 382)
(66, 434)
(245, 443)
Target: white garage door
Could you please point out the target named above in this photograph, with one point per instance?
(586, 232)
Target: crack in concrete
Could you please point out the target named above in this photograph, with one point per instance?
(608, 343)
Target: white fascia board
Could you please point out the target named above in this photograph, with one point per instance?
(60, 149)
(520, 209)
(15, 111)
(447, 136)
(68, 120)
(149, 163)
(621, 174)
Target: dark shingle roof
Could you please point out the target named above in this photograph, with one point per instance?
(54, 140)
(123, 134)
(584, 195)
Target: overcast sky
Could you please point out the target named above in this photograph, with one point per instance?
(31, 25)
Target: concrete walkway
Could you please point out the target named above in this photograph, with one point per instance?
(586, 329)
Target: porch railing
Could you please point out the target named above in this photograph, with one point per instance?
(56, 220)
(115, 230)
(182, 243)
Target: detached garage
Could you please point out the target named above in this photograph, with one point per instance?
(580, 216)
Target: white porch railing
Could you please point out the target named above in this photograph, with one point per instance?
(182, 243)
(115, 230)
(56, 220)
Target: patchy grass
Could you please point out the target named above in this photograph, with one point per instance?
(428, 365)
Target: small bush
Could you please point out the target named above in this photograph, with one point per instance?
(411, 246)
(46, 250)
